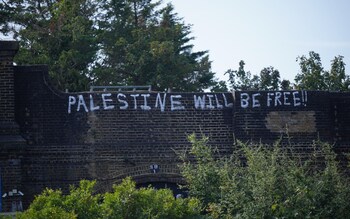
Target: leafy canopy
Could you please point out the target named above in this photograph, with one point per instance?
(269, 79)
(312, 75)
(108, 42)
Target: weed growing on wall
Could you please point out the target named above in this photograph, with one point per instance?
(259, 181)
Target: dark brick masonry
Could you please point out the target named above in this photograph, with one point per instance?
(53, 139)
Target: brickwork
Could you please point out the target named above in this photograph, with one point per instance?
(301, 115)
(11, 143)
(7, 107)
(110, 135)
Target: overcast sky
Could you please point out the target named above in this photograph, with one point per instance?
(268, 32)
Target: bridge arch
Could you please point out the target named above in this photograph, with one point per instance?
(143, 175)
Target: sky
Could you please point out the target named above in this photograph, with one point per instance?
(267, 33)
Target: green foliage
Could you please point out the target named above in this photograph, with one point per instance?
(50, 204)
(219, 87)
(58, 33)
(240, 79)
(206, 185)
(336, 79)
(125, 202)
(120, 42)
(82, 202)
(269, 79)
(267, 182)
(286, 85)
(142, 44)
(312, 76)
(128, 202)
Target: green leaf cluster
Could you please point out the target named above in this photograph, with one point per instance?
(107, 42)
(259, 181)
(312, 75)
(126, 201)
(269, 79)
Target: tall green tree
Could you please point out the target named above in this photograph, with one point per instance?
(241, 79)
(108, 42)
(336, 79)
(145, 44)
(58, 33)
(269, 79)
(311, 74)
(286, 85)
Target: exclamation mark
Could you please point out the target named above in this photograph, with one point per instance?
(302, 98)
(305, 98)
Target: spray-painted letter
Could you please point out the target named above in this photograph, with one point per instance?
(126, 105)
(71, 101)
(105, 106)
(176, 104)
(161, 103)
(244, 100)
(81, 102)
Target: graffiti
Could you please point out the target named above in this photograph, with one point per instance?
(176, 102)
(274, 99)
(210, 101)
(145, 102)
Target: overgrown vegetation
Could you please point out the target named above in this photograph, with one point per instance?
(124, 202)
(257, 181)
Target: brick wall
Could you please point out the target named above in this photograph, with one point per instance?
(7, 52)
(110, 135)
(302, 116)
(11, 143)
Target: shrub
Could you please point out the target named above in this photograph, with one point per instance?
(125, 202)
(259, 181)
(128, 202)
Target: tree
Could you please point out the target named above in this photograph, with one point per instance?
(242, 80)
(119, 42)
(142, 44)
(314, 77)
(285, 85)
(219, 87)
(311, 76)
(58, 33)
(266, 181)
(336, 79)
(269, 79)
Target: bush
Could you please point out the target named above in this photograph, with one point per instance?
(128, 202)
(267, 182)
(125, 202)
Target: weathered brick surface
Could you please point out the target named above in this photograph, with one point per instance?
(109, 144)
(110, 135)
(302, 116)
(11, 143)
